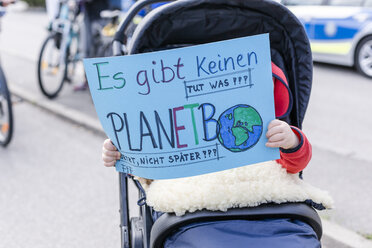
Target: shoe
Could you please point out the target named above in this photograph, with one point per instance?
(81, 87)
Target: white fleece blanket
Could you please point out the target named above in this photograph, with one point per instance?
(246, 186)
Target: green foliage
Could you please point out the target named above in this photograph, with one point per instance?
(368, 236)
(38, 3)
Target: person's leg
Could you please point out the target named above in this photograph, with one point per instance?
(86, 36)
(52, 7)
(91, 17)
(85, 47)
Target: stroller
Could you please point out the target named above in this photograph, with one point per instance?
(189, 22)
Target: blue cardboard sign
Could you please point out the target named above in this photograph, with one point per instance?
(187, 111)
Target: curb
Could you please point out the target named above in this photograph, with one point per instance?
(344, 236)
(335, 235)
(59, 110)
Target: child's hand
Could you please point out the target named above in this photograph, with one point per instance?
(109, 153)
(281, 135)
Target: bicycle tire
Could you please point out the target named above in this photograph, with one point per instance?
(6, 112)
(51, 68)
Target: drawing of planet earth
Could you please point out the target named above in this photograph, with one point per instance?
(240, 128)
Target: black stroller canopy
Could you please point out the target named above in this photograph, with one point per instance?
(189, 22)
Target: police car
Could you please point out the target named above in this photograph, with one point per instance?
(340, 31)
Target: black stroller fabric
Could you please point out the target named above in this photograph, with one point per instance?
(244, 233)
(189, 22)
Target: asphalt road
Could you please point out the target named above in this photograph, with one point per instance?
(54, 190)
(337, 124)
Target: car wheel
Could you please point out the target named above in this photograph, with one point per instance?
(363, 57)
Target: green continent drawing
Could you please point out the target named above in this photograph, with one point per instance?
(240, 128)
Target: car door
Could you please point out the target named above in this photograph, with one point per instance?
(334, 26)
(304, 11)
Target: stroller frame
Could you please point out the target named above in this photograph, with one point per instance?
(142, 231)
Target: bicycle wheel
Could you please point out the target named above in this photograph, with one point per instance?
(6, 114)
(52, 69)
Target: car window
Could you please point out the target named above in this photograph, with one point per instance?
(345, 2)
(302, 2)
(368, 3)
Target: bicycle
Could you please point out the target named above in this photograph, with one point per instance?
(60, 51)
(6, 113)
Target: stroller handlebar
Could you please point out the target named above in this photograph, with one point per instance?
(120, 36)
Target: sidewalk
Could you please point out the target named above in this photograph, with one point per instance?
(79, 109)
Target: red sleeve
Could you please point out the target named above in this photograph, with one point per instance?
(296, 159)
